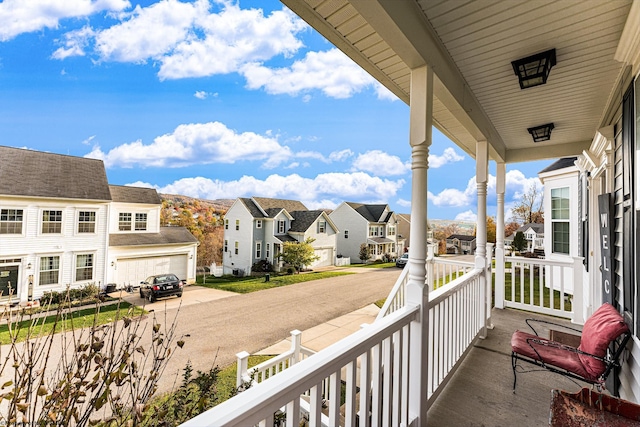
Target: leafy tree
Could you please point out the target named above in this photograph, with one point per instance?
(364, 254)
(519, 242)
(529, 210)
(491, 230)
(511, 228)
(299, 254)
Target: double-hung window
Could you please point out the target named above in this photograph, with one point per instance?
(237, 224)
(258, 223)
(86, 222)
(322, 226)
(560, 210)
(11, 221)
(124, 221)
(237, 248)
(51, 221)
(281, 226)
(141, 222)
(84, 267)
(49, 270)
(226, 245)
(258, 250)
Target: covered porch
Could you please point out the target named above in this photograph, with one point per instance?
(438, 354)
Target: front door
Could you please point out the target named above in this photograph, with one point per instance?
(8, 281)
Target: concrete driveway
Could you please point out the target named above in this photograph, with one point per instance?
(191, 295)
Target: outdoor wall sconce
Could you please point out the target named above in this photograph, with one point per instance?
(534, 70)
(190, 256)
(113, 263)
(29, 266)
(541, 133)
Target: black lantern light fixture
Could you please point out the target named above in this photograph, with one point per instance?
(541, 133)
(534, 70)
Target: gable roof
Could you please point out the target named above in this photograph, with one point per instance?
(302, 220)
(36, 174)
(560, 164)
(538, 228)
(464, 237)
(252, 208)
(126, 194)
(372, 213)
(274, 206)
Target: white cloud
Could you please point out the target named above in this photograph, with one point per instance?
(449, 197)
(380, 163)
(404, 203)
(467, 216)
(199, 143)
(25, 16)
(331, 71)
(88, 140)
(324, 190)
(448, 156)
(200, 94)
(75, 43)
(339, 156)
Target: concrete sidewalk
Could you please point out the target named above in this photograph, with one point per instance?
(325, 334)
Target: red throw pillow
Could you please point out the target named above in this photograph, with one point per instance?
(605, 325)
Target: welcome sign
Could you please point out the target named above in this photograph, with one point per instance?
(604, 220)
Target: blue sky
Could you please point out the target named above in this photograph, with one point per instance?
(218, 99)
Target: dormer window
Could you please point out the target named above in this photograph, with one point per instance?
(281, 226)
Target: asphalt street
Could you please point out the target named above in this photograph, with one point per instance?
(221, 328)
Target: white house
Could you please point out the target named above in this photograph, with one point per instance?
(57, 214)
(257, 227)
(533, 234)
(138, 246)
(373, 225)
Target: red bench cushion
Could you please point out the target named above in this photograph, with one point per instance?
(551, 355)
(604, 326)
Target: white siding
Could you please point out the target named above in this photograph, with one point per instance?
(347, 219)
(244, 237)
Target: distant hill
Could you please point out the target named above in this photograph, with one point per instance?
(218, 204)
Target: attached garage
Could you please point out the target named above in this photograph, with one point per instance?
(131, 271)
(326, 257)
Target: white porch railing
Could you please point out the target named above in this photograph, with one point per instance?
(544, 286)
(369, 368)
(273, 366)
(440, 271)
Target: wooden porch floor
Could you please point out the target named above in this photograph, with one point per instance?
(480, 393)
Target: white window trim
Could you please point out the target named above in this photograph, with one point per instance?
(258, 223)
(558, 221)
(41, 221)
(36, 276)
(77, 222)
(134, 220)
(24, 221)
(131, 222)
(259, 250)
(75, 267)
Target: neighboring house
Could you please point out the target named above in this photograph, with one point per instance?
(138, 246)
(533, 234)
(461, 244)
(404, 228)
(373, 225)
(256, 229)
(56, 215)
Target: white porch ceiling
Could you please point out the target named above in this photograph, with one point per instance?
(470, 45)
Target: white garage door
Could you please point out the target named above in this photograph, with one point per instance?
(131, 271)
(325, 259)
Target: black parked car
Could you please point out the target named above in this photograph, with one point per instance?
(161, 285)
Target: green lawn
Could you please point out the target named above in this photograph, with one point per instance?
(526, 298)
(248, 284)
(374, 265)
(78, 319)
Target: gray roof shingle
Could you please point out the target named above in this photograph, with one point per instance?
(126, 194)
(302, 220)
(253, 209)
(560, 164)
(36, 174)
(166, 236)
(270, 205)
(371, 213)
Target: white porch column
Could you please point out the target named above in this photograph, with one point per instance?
(500, 189)
(420, 116)
(482, 174)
